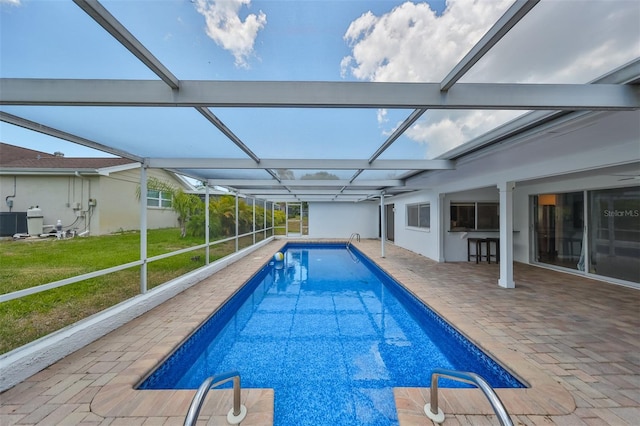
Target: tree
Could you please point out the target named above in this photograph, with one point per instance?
(322, 175)
(225, 209)
(285, 174)
(185, 205)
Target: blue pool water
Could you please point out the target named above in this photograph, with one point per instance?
(332, 334)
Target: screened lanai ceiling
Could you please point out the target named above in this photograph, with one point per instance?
(308, 100)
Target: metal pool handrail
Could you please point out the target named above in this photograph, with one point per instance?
(357, 237)
(354, 235)
(235, 415)
(434, 413)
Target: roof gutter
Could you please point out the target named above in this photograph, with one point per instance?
(46, 172)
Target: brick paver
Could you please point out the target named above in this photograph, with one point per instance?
(574, 340)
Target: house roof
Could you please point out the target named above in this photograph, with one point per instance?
(15, 157)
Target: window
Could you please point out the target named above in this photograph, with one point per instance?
(162, 199)
(480, 216)
(463, 216)
(419, 215)
(488, 216)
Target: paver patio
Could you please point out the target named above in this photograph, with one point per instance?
(575, 341)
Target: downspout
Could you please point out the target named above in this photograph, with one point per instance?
(87, 219)
(7, 200)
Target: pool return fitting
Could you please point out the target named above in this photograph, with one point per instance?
(235, 415)
(437, 415)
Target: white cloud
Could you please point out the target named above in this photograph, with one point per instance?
(441, 131)
(11, 2)
(225, 26)
(444, 134)
(557, 42)
(412, 43)
(564, 42)
(382, 116)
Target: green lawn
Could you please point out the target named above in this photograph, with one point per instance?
(27, 264)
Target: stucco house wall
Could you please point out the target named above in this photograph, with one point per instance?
(56, 196)
(120, 207)
(340, 220)
(419, 240)
(98, 195)
(590, 154)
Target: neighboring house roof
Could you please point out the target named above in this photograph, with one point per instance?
(18, 160)
(15, 157)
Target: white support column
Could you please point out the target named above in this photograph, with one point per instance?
(383, 224)
(286, 219)
(143, 229)
(506, 234)
(264, 217)
(237, 225)
(206, 223)
(585, 235)
(442, 227)
(273, 219)
(254, 220)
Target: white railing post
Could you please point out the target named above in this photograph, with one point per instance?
(383, 224)
(206, 223)
(143, 229)
(237, 221)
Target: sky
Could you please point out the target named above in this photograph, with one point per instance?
(559, 41)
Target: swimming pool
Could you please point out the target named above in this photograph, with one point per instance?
(332, 334)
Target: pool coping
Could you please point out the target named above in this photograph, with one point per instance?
(119, 398)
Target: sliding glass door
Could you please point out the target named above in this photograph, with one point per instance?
(558, 226)
(614, 233)
(611, 245)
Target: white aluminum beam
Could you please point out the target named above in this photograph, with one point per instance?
(317, 198)
(102, 16)
(298, 164)
(502, 26)
(415, 115)
(302, 94)
(306, 192)
(627, 73)
(253, 183)
(213, 119)
(50, 131)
